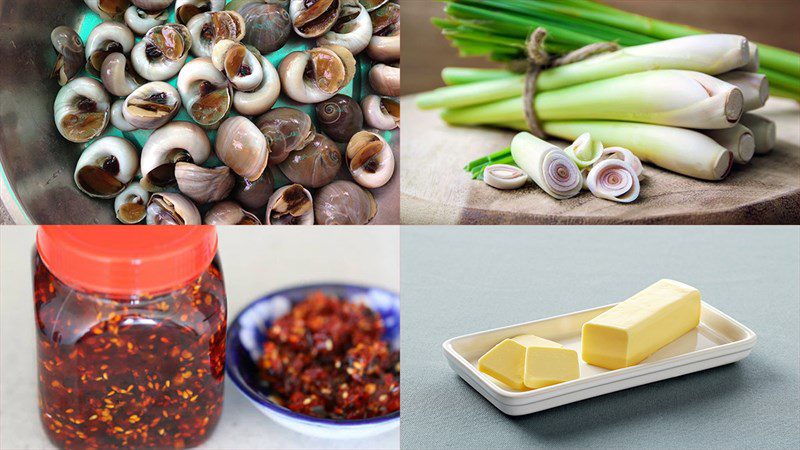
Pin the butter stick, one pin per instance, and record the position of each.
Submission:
(628, 333)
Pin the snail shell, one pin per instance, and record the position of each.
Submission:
(209, 28)
(242, 147)
(230, 213)
(254, 194)
(169, 208)
(340, 117)
(264, 97)
(382, 113)
(315, 75)
(186, 9)
(205, 92)
(81, 110)
(204, 185)
(174, 143)
(106, 38)
(118, 119)
(152, 5)
(131, 204)
(239, 64)
(152, 105)
(385, 80)
(314, 165)
(290, 205)
(372, 5)
(268, 24)
(344, 203)
(70, 60)
(313, 18)
(118, 76)
(385, 42)
(286, 130)
(141, 21)
(353, 31)
(108, 9)
(370, 160)
(106, 167)
(162, 52)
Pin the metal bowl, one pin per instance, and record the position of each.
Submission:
(37, 164)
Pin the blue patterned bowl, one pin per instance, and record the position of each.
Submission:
(247, 334)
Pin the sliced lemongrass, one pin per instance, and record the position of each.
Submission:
(763, 129)
(504, 176)
(754, 87)
(613, 179)
(664, 97)
(625, 155)
(739, 140)
(683, 151)
(547, 165)
(585, 151)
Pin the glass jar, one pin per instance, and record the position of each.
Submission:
(131, 335)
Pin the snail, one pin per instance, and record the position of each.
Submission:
(385, 80)
(370, 160)
(242, 67)
(131, 204)
(344, 203)
(382, 113)
(313, 18)
(173, 143)
(286, 130)
(315, 75)
(264, 96)
(384, 44)
(230, 213)
(108, 9)
(211, 27)
(118, 76)
(81, 110)
(242, 147)
(162, 52)
(268, 24)
(204, 185)
(141, 21)
(205, 92)
(106, 38)
(169, 208)
(340, 117)
(186, 9)
(70, 60)
(118, 118)
(254, 194)
(290, 205)
(152, 105)
(152, 5)
(106, 167)
(314, 165)
(372, 5)
(352, 31)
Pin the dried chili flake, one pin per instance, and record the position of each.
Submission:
(327, 359)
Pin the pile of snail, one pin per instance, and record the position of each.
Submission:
(217, 50)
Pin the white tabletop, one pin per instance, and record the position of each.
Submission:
(256, 260)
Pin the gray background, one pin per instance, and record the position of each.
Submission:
(255, 261)
(459, 280)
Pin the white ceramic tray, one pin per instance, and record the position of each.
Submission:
(717, 341)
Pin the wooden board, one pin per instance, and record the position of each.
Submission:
(436, 190)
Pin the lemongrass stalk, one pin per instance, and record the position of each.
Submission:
(763, 129)
(781, 80)
(585, 151)
(738, 139)
(755, 61)
(547, 165)
(683, 151)
(468, 94)
(465, 75)
(665, 97)
(613, 179)
(754, 87)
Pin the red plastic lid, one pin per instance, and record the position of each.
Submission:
(126, 260)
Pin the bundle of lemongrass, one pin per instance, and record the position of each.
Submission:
(678, 104)
(499, 29)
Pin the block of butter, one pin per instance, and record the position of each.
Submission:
(530, 362)
(636, 328)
